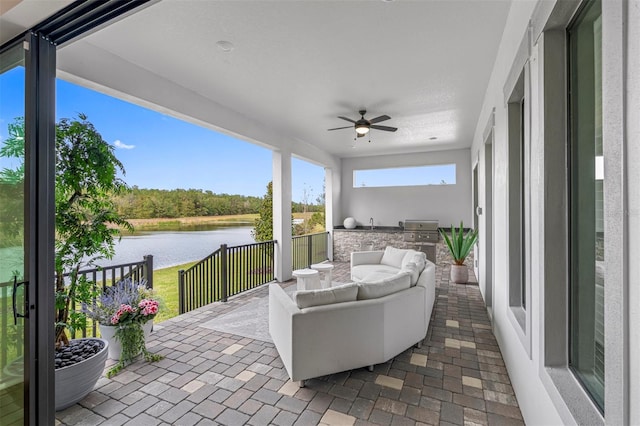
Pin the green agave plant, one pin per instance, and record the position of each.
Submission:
(459, 243)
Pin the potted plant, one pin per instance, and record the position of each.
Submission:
(459, 244)
(125, 313)
(87, 224)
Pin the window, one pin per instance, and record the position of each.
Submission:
(586, 195)
(518, 114)
(441, 174)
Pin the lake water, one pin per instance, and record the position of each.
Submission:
(170, 248)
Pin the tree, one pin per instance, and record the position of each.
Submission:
(320, 200)
(263, 225)
(86, 179)
(14, 148)
(12, 189)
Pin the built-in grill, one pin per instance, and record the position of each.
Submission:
(421, 231)
(424, 233)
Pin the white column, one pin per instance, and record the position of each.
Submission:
(331, 204)
(282, 214)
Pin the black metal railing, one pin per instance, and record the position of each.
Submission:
(226, 272)
(106, 276)
(309, 249)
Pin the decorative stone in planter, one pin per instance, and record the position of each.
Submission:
(108, 332)
(459, 274)
(79, 365)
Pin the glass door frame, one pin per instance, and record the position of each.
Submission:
(40, 43)
(40, 67)
(39, 224)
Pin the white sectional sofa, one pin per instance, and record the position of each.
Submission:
(320, 332)
(367, 265)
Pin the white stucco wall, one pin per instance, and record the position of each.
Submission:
(633, 193)
(536, 404)
(547, 391)
(448, 204)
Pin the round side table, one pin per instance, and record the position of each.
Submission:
(307, 279)
(325, 269)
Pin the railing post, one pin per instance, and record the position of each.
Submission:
(224, 270)
(309, 249)
(148, 259)
(181, 307)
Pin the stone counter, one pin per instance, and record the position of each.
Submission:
(346, 241)
(378, 229)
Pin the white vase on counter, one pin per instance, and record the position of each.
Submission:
(349, 223)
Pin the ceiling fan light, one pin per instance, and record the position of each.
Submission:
(362, 129)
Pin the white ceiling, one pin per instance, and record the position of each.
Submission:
(17, 16)
(297, 65)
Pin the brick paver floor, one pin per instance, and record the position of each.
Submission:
(207, 377)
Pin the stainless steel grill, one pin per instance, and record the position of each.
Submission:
(421, 231)
(424, 233)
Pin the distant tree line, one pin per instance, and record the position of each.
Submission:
(161, 203)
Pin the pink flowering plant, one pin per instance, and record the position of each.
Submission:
(143, 312)
(126, 305)
(125, 302)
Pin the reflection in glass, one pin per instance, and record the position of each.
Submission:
(586, 192)
(12, 235)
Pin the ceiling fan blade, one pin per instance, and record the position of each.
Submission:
(379, 119)
(348, 119)
(338, 128)
(385, 128)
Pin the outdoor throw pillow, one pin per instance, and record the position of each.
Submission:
(326, 296)
(375, 289)
(417, 257)
(412, 269)
(393, 257)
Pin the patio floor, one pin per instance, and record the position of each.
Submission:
(209, 377)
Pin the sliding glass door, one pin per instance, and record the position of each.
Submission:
(14, 249)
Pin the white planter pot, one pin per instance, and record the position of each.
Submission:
(108, 333)
(74, 382)
(459, 274)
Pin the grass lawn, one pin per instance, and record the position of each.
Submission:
(160, 224)
(165, 284)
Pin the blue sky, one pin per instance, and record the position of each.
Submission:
(159, 151)
(439, 174)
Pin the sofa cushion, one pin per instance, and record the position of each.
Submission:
(412, 269)
(370, 289)
(393, 257)
(326, 296)
(361, 271)
(417, 257)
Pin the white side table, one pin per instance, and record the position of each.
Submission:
(326, 270)
(308, 279)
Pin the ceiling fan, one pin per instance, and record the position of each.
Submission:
(363, 125)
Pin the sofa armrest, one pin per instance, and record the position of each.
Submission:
(366, 257)
(428, 281)
(281, 311)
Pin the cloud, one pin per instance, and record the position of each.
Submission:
(121, 145)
